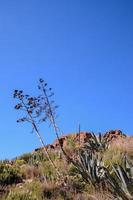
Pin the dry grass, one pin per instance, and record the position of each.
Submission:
(94, 196)
(30, 172)
(124, 145)
(118, 149)
(100, 196)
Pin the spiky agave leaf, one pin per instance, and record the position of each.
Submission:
(91, 167)
(122, 181)
(128, 166)
(97, 143)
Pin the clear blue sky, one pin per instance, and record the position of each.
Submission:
(83, 49)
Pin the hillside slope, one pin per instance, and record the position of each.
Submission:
(84, 166)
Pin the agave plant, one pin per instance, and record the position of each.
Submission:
(123, 176)
(91, 167)
(119, 181)
(128, 166)
(97, 143)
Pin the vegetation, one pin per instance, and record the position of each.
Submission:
(90, 178)
(99, 168)
(9, 174)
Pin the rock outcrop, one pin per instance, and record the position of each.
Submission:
(82, 138)
(113, 135)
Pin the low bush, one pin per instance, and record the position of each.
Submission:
(26, 157)
(30, 172)
(9, 174)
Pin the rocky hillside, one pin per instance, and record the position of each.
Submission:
(82, 138)
(81, 166)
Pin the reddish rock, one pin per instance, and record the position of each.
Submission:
(113, 135)
(81, 139)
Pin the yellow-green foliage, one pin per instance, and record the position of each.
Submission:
(20, 194)
(117, 150)
(48, 170)
(19, 162)
(9, 174)
(26, 157)
(35, 188)
(112, 156)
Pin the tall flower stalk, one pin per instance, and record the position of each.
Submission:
(49, 112)
(32, 107)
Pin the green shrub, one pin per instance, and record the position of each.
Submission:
(26, 157)
(9, 174)
(34, 158)
(35, 188)
(47, 170)
(19, 162)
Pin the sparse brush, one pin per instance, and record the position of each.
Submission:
(125, 145)
(117, 150)
(100, 196)
(30, 172)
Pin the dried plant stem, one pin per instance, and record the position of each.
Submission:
(53, 122)
(41, 139)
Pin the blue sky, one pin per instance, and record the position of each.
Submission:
(83, 49)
